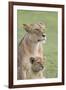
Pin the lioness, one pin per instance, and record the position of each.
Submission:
(30, 46)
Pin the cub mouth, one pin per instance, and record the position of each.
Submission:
(38, 69)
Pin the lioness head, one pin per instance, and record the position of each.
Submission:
(36, 31)
(37, 64)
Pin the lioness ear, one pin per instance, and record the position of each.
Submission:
(32, 59)
(27, 27)
(44, 25)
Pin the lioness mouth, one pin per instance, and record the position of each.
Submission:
(41, 40)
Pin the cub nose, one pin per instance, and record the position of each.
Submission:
(41, 68)
(43, 35)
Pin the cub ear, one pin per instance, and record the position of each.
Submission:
(27, 27)
(32, 60)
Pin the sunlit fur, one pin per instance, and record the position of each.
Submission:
(30, 46)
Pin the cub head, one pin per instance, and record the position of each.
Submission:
(36, 32)
(36, 64)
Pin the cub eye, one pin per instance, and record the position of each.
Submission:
(36, 29)
(32, 60)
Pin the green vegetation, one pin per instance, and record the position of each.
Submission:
(51, 46)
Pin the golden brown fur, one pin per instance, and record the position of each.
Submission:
(30, 46)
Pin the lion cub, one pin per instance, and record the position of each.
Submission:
(30, 46)
(37, 67)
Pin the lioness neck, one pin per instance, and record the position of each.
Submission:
(31, 46)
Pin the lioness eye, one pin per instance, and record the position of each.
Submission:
(43, 35)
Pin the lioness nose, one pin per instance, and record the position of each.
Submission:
(43, 35)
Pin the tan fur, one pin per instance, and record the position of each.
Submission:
(30, 46)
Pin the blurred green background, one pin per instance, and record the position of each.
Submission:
(51, 46)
